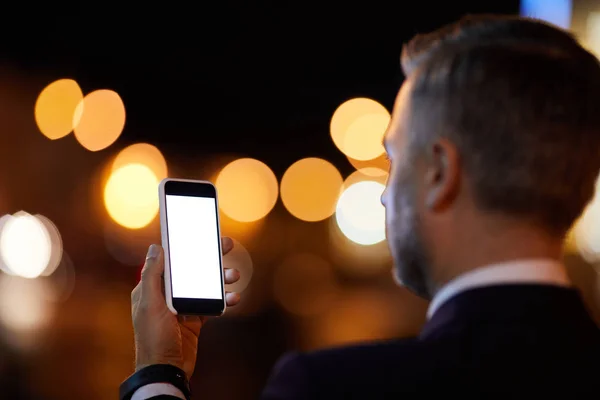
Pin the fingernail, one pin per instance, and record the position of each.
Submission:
(153, 251)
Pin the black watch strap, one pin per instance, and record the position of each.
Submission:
(158, 373)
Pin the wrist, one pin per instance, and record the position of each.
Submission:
(141, 363)
(157, 373)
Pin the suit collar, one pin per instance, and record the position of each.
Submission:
(505, 303)
(531, 271)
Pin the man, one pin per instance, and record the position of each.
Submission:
(494, 147)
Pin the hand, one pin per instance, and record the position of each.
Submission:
(162, 337)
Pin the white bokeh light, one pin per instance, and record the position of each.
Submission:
(25, 245)
(587, 233)
(5, 218)
(25, 311)
(23, 303)
(586, 230)
(360, 214)
(56, 245)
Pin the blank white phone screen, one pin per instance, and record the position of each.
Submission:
(193, 247)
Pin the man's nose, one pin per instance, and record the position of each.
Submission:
(383, 196)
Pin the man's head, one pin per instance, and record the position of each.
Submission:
(497, 125)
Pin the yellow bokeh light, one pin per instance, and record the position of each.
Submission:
(360, 214)
(102, 119)
(145, 154)
(584, 236)
(363, 139)
(310, 189)
(379, 166)
(131, 196)
(55, 108)
(593, 33)
(357, 128)
(247, 190)
(366, 174)
(569, 243)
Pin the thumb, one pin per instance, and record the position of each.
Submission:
(153, 270)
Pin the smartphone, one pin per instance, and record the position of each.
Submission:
(191, 239)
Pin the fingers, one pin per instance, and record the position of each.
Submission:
(226, 244)
(135, 298)
(153, 271)
(231, 276)
(232, 299)
(135, 294)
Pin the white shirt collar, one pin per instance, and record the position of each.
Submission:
(540, 271)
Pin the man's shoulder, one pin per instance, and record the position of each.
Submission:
(357, 355)
(347, 368)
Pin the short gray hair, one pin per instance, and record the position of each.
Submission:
(521, 101)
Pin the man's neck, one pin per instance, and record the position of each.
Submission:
(481, 249)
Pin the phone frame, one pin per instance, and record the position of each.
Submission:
(192, 188)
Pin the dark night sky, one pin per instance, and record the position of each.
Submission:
(259, 80)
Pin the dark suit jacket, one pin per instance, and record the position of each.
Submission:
(519, 341)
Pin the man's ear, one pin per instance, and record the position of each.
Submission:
(442, 175)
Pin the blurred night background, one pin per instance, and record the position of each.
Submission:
(283, 106)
